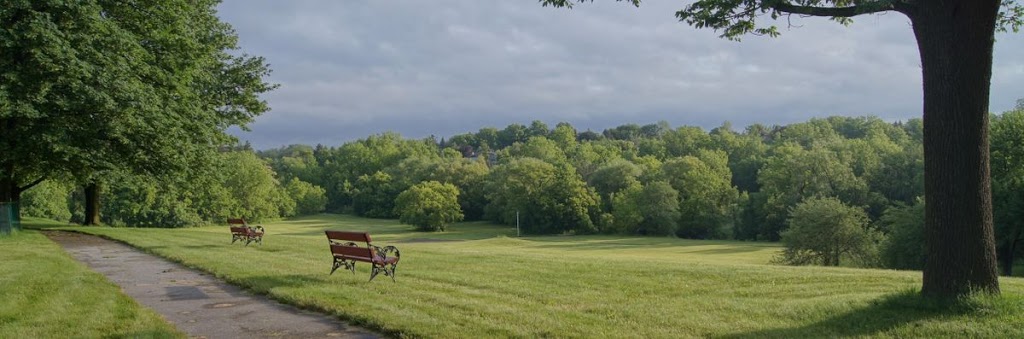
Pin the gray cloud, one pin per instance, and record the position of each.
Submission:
(354, 68)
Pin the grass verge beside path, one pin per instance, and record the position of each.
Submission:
(44, 293)
(477, 281)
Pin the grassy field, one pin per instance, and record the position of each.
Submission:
(44, 293)
(478, 280)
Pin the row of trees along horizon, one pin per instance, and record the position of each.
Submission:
(836, 191)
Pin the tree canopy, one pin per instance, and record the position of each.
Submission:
(91, 86)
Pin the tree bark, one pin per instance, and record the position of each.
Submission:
(955, 39)
(92, 204)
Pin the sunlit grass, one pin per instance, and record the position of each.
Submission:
(479, 280)
(44, 293)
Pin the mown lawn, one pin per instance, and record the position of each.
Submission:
(478, 280)
(44, 293)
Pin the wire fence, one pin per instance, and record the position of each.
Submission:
(9, 220)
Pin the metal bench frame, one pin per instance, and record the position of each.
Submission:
(346, 251)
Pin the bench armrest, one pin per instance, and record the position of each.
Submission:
(387, 252)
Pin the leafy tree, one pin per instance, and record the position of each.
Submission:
(309, 198)
(48, 200)
(564, 136)
(614, 177)
(824, 231)
(653, 131)
(540, 148)
(512, 134)
(1007, 149)
(623, 132)
(747, 155)
(470, 178)
(548, 198)
(145, 201)
(374, 195)
(793, 174)
(626, 216)
(538, 129)
(658, 204)
(429, 206)
(588, 135)
(903, 248)
(707, 197)
(685, 141)
(254, 192)
(955, 39)
(146, 87)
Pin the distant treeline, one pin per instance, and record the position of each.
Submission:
(632, 179)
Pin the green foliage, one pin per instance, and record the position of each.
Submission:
(548, 199)
(793, 174)
(626, 216)
(824, 231)
(48, 199)
(374, 196)
(903, 248)
(110, 85)
(254, 192)
(142, 201)
(430, 206)
(707, 198)
(658, 203)
(613, 178)
(309, 198)
(1007, 166)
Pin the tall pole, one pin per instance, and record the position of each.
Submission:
(517, 224)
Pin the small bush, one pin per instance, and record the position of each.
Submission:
(824, 231)
(429, 206)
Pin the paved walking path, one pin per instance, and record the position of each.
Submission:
(198, 304)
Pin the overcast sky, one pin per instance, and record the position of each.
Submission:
(349, 69)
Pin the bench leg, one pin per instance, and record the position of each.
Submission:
(388, 271)
(335, 266)
(373, 273)
(234, 237)
(342, 262)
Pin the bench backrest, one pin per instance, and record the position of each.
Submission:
(239, 221)
(337, 236)
(358, 253)
(339, 245)
(239, 230)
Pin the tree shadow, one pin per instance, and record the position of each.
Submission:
(881, 315)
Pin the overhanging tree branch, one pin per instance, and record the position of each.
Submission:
(841, 12)
(30, 185)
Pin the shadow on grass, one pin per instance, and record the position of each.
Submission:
(616, 243)
(884, 314)
(730, 250)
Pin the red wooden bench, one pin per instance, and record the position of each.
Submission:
(349, 247)
(240, 230)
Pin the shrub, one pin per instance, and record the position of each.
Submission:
(429, 206)
(824, 231)
(903, 249)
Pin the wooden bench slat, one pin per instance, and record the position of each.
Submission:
(348, 236)
(357, 253)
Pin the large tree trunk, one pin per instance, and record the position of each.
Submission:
(955, 39)
(92, 204)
